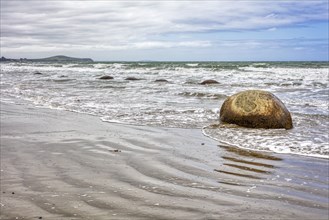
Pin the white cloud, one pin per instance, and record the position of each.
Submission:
(123, 25)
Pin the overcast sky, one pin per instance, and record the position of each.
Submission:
(166, 30)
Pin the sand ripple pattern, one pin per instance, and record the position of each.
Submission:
(80, 168)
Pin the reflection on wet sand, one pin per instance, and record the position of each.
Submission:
(274, 177)
(69, 166)
(250, 153)
(243, 163)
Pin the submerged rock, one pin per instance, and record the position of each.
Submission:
(106, 77)
(132, 78)
(255, 109)
(161, 80)
(209, 81)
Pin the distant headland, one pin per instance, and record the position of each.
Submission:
(59, 58)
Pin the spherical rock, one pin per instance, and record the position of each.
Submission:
(255, 109)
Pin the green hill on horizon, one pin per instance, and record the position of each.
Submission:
(62, 58)
(58, 58)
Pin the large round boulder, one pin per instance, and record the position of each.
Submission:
(255, 109)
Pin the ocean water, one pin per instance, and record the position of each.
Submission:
(182, 101)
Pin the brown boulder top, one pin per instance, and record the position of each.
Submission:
(255, 109)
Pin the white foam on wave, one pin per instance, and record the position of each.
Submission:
(183, 102)
(7, 100)
(270, 140)
(192, 64)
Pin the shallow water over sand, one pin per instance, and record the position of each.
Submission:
(62, 165)
(182, 101)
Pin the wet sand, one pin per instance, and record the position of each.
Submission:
(64, 165)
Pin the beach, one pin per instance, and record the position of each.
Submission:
(64, 165)
(164, 110)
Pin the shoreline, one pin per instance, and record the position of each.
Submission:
(65, 165)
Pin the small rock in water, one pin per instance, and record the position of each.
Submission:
(37, 73)
(106, 77)
(132, 78)
(161, 80)
(209, 81)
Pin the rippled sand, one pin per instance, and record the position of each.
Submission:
(62, 165)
